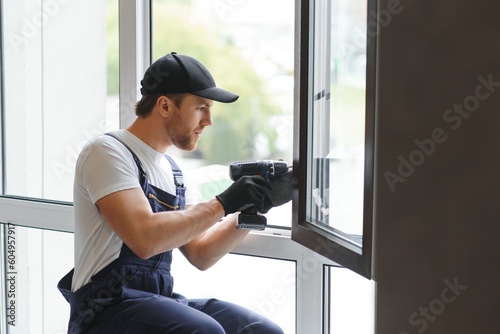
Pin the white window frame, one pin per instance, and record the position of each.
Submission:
(135, 57)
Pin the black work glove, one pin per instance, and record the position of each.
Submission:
(244, 193)
(280, 192)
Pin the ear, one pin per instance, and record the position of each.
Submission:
(163, 105)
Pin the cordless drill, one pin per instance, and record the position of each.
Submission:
(268, 169)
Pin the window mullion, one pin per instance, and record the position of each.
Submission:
(310, 293)
(135, 53)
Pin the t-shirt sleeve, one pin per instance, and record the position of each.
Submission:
(106, 167)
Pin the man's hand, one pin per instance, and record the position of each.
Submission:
(280, 192)
(247, 191)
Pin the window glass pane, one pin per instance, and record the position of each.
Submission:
(338, 117)
(34, 265)
(266, 286)
(352, 303)
(60, 67)
(223, 36)
(347, 123)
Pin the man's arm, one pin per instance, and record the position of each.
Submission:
(146, 233)
(205, 250)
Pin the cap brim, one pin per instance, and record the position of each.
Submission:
(217, 94)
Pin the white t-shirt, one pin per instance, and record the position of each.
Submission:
(106, 166)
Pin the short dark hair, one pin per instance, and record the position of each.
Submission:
(145, 105)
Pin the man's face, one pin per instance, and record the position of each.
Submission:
(188, 121)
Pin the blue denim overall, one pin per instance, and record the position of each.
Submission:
(132, 295)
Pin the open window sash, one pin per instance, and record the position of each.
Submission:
(334, 124)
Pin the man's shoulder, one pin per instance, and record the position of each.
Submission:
(100, 146)
(112, 139)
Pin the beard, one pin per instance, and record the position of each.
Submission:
(185, 143)
(181, 136)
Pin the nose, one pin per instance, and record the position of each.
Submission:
(207, 118)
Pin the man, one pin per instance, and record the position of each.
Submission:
(129, 198)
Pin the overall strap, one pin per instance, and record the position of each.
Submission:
(136, 158)
(178, 179)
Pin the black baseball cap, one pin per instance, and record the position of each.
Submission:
(176, 73)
